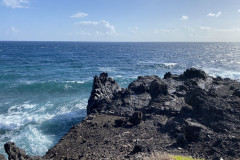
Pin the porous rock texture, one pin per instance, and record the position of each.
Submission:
(190, 114)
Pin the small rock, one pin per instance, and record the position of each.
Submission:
(232, 88)
(137, 149)
(168, 75)
(107, 124)
(180, 138)
(120, 122)
(136, 118)
(236, 93)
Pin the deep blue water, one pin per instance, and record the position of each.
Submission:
(44, 86)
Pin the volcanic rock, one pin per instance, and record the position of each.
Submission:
(136, 118)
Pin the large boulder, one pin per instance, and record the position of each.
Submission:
(194, 73)
(136, 118)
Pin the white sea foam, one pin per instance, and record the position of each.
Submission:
(170, 65)
(79, 82)
(223, 73)
(22, 123)
(157, 64)
(37, 142)
(20, 115)
(107, 69)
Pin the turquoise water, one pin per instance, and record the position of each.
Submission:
(44, 86)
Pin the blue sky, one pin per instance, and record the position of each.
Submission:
(120, 20)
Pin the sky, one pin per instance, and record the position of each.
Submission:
(120, 20)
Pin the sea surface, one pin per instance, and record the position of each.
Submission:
(45, 86)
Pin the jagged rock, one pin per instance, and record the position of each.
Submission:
(136, 118)
(158, 87)
(236, 93)
(167, 75)
(142, 84)
(15, 153)
(102, 92)
(194, 73)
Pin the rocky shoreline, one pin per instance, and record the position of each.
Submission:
(190, 114)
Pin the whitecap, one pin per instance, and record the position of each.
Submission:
(107, 69)
(223, 73)
(78, 82)
(169, 64)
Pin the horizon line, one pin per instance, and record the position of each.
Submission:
(121, 41)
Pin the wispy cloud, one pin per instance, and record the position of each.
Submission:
(133, 29)
(15, 3)
(214, 14)
(79, 15)
(184, 18)
(12, 31)
(238, 11)
(102, 27)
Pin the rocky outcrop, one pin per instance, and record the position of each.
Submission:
(15, 153)
(190, 114)
(102, 92)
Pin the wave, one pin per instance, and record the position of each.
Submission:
(157, 65)
(223, 73)
(107, 69)
(23, 114)
(46, 87)
(40, 126)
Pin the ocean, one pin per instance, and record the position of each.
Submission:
(45, 86)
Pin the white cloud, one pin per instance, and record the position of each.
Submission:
(15, 3)
(12, 31)
(133, 29)
(239, 10)
(79, 15)
(214, 14)
(97, 27)
(184, 18)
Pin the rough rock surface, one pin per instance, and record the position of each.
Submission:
(15, 153)
(189, 114)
